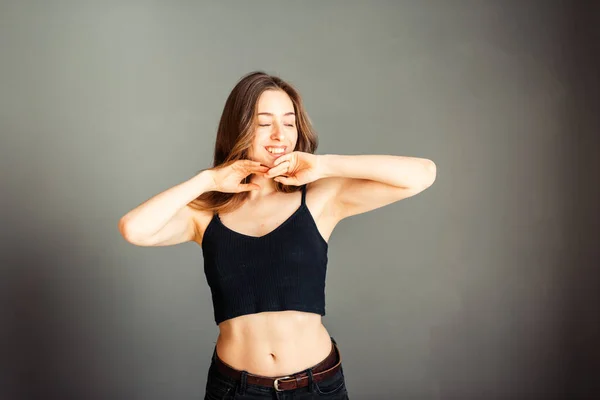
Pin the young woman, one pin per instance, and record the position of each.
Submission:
(263, 216)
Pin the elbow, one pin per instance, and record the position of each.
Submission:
(125, 229)
(430, 173)
(128, 232)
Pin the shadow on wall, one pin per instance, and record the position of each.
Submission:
(53, 327)
(555, 357)
(581, 331)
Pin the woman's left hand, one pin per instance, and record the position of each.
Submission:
(296, 168)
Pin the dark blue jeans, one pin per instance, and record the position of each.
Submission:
(220, 387)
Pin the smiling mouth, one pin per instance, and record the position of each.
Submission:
(275, 150)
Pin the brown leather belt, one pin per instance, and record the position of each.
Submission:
(323, 370)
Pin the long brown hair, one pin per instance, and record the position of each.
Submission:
(236, 133)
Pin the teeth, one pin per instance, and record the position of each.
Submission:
(275, 150)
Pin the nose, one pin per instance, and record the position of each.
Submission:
(277, 131)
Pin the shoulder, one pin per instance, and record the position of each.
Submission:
(201, 219)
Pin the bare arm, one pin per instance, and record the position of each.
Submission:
(365, 182)
(166, 218)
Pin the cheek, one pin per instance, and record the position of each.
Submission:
(261, 138)
(255, 148)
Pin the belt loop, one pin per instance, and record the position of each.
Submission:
(243, 383)
(310, 380)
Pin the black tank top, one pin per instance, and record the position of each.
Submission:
(282, 270)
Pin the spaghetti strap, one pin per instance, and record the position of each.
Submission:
(303, 194)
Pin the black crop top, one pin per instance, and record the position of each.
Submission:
(282, 270)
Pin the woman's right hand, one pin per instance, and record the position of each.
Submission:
(228, 178)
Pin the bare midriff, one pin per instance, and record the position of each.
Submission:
(273, 343)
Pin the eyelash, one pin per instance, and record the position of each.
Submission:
(290, 125)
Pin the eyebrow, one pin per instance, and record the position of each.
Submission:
(271, 114)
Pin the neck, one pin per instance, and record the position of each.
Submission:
(267, 187)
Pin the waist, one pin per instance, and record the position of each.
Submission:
(328, 369)
(273, 343)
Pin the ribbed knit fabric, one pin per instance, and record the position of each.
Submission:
(282, 270)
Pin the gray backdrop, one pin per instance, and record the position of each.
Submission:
(482, 287)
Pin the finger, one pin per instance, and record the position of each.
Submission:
(254, 169)
(243, 165)
(249, 163)
(286, 180)
(285, 157)
(260, 168)
(278, 170)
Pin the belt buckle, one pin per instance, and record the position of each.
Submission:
(276, 382)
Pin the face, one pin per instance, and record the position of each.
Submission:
(276, 133)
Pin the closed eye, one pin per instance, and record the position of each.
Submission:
(291, 125)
